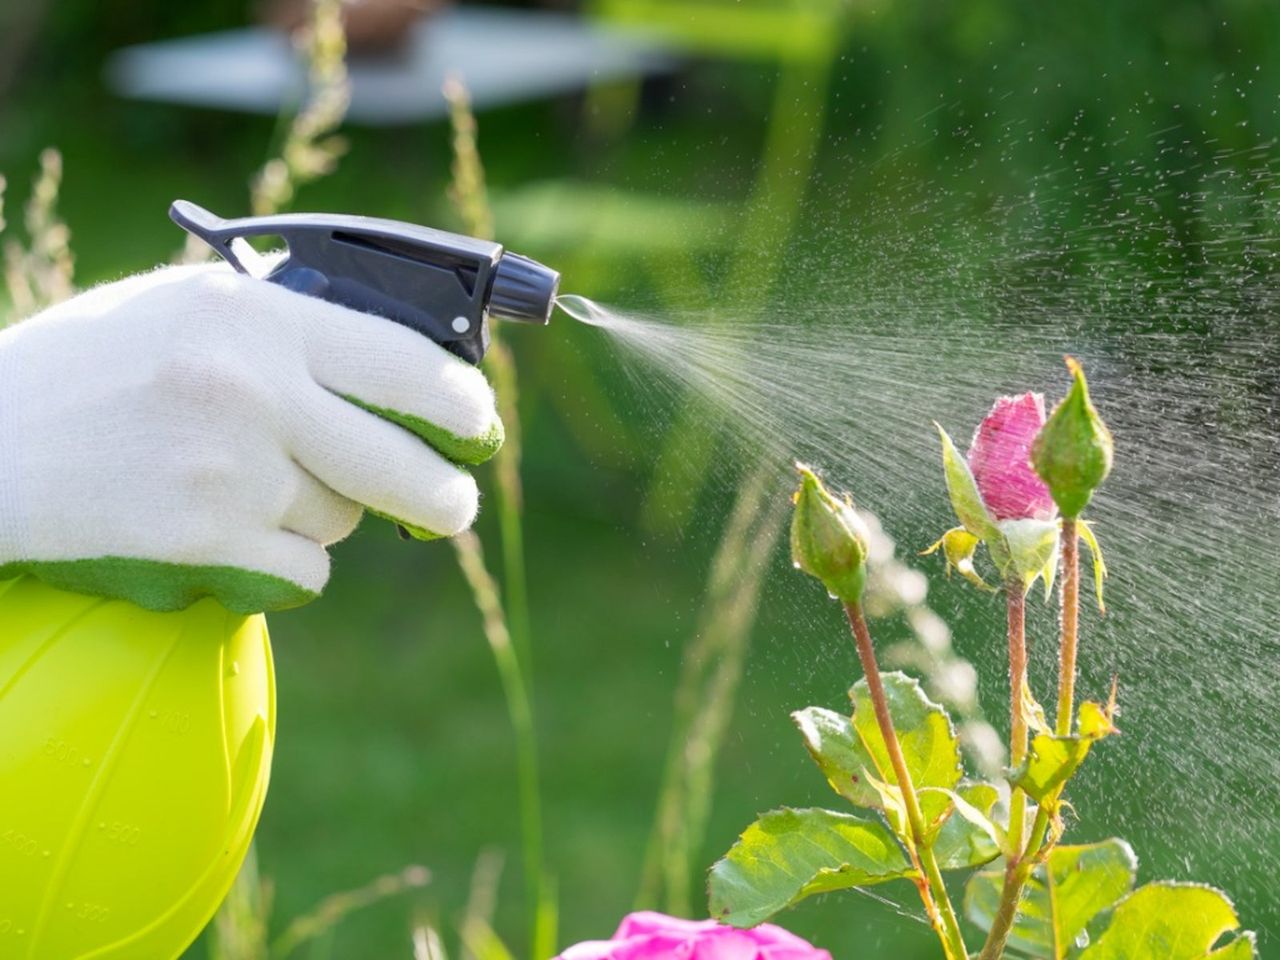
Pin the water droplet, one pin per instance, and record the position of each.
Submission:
(583, 310)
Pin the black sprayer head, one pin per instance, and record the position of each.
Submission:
(523, 290)
(443, 285)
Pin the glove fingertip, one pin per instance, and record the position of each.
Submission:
(473, 450)
(468, 451)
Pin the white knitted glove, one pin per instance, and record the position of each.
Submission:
(193, 432)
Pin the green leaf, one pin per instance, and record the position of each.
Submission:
(894, 808)
(967, 837)
(1099, 565)
(1061, 898)
(1243, 947)
(1051, 763)
(788, 855)
(929, 744)
(852, 755)
(963, 490)
(1032, 546)
(1053, 760)
(839, 754)
(968, 505)
(1172, 921)
(958, 546)
(1047, 575)
(1094, 720)
(1033, 712)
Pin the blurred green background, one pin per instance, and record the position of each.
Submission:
(394, 743)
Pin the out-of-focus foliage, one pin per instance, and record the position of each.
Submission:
(40, 272)
(393, 724)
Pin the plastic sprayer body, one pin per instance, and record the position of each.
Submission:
(135, 750)
(444, 285)
(135, 747)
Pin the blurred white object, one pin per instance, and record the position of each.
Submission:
(502, 55)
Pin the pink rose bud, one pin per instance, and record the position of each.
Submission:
(1000, 458)
(655, 936)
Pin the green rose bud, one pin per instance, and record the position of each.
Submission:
(828, 539)
(1072, 452)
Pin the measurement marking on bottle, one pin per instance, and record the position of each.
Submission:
(116, 831)
(60, 751)
(19, 842)
(175, 721)
(89, 912)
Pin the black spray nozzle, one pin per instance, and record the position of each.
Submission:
(443, 285)
(523, 290)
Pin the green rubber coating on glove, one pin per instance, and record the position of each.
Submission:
(418, 533)
(465, 450)
(161, 586)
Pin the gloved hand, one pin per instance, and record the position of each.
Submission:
(193, 432)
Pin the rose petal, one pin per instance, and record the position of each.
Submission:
(644, 922)
(1000, 458)
(647, 935)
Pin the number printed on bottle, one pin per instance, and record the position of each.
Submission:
(125, 834)
(89, 912)
(175, 721)
(16, 840)
(60, 751)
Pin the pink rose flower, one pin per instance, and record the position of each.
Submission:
(655, 936)
(1000, 458)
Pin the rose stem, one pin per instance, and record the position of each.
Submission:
(1016, 599)
(1017, 619)
(1017, 875)
(949, 933)
(1070, 626)
(1069, 641)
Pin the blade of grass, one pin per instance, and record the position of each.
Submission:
(332, 910)
(485, 590)
(471, 199)
(427, 944)
(41, 273)
(487, 945)
(482, 898)
(240, 928)
(311, 148)
(507, 624)
(710, 673)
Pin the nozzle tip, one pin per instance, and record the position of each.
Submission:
(523, 290)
